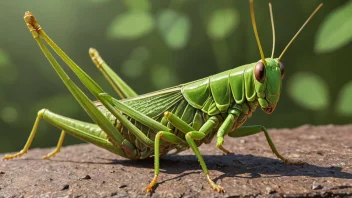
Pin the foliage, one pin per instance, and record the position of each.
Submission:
(158, 44)
(309, 91)
(222, 23)
(174, 28)
(344, 106)
(336, 30)
(131, 25)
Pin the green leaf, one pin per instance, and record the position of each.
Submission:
(131, 25)
(9, 114)
(4, 58)
(222, 23)
(140, 53)
(163, 77)
(132, 68)
(336, 30)
(174, 28)
(309, 91)
(344, 100)
(137, 4)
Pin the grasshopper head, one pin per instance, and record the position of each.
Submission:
(269, 72)
(268, 83)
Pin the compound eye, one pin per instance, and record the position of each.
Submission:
(259, 72)
(282, 69)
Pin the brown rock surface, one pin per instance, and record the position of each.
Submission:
(88, 171)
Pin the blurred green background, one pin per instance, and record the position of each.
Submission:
(158, 44)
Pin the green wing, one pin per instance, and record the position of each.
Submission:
(155, 103)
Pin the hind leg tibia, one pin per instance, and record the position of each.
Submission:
(85, 131)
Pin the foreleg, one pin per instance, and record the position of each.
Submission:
(251, 130)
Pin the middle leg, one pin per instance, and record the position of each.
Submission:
(168, 137)
(191, 135)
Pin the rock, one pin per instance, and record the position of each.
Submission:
(252, 171)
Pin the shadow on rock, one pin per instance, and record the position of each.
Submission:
(231, 166)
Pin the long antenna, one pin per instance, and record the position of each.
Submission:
(305, 23)
(256, 31)
(273, 29)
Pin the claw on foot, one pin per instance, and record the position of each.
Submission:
(218, 189)
(152, 184)
(215, 187)
(148, 189)
(19, 154)
(226, 152)
(52, 154)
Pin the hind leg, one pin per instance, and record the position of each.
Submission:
(97, 116)
(58, 147)
(121, 88)
(85, 131)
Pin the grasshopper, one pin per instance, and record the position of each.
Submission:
(187, 115)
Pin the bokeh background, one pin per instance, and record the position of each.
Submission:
(157, 44)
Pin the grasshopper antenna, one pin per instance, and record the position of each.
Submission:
(251, 4)
(273, 28)
(299, 31)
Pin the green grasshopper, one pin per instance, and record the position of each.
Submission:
(187, 115)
